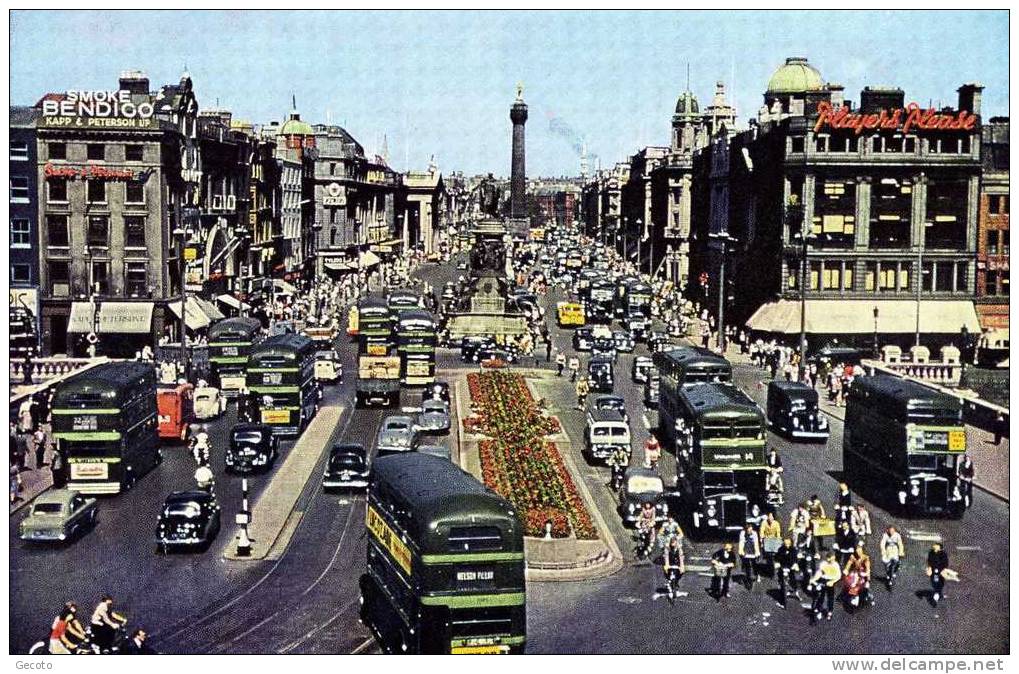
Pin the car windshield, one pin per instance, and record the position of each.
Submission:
(645, 484)
(434, 406)
(346, 460)
(48, 509)
(204, 397)
(248, 437)
(396, 426)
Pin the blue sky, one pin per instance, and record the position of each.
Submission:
(442, 82)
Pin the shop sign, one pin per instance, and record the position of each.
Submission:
(909, 119)
(98, 109)
(26, 298)
(335, 195)
(95, 172)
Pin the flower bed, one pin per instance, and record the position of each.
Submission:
(517, 460)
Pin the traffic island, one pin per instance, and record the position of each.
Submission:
(509, 442)
(275, 517)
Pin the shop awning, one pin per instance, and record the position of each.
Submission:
(855, 317)
(233, 302)
(340, 267)
(195, 318)
(210, 309)
(283, 288)
(368, 259)
(115, 318)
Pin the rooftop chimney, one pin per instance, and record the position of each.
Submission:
(135, 81)
(969, 97)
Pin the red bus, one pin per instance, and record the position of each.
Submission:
(174, 404)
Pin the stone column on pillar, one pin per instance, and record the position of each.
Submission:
(518, 173)
(863, 194)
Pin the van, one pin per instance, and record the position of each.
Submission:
(569, 314)
(606, 430)
(328, 367)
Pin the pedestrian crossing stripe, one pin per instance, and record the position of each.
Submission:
(924, 536)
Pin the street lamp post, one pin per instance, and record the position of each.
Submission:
(724, 239)
(181, 235)
(640, 236)
(919, 285)
(877, 353)
(794, 216)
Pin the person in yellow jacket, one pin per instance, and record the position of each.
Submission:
(771, 538)
(827, 579)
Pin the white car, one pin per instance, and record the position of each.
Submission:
(209, 403)
(328, 367)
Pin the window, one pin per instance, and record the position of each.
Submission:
(991, 282)
(834, 222)
(133, 152)
(96, 151)
(909, 146)
(136, 275)
(56, 230)
(57, 150)
(797, 144)
(821, 142)
(98, 230)
(991, 245)
(135, 192)
(21, 233)
(332, 215)
(60, 278)
(134, 231)
(1003, 284)
(891, 204)
(961, 272)
(332, 168)
(831, 278)
(101, 276)
(928, 276)
(815, 273)
(96, 192)
(21, 273)
(946, 214)
(943, 277)
(19, 189)
(19, 151)
(57, 189)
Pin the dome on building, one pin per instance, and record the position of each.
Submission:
(795, 76)
(687, 104)
(295, 127)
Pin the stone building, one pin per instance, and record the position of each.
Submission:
(992, 239)
(24, 232)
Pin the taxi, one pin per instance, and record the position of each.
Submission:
(569, 314)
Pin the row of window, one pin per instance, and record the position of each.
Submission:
(93, 151)
(997, 204)
(97, 232)
(996, 282)
(881, 144)
(96, 190)
(996, 242)
(136, 277)
(883, 276)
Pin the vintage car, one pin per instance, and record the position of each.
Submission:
(624, 341)
(637, 323)
(398, 434)
(471, 345)
(494, 352)
(252, 447)
(656, 341)
(438, 390)
(608, 402)
(435, 450)
(833, 354)
(640, 486)
(582, 339)
(433, 417)
(793, 412)
(603, 345)
(58, 515)
(209, 402)
(642, 365)
(569, 314)
(606, 431)
(347, 467)
(600, 375)
(328, 367)
(188, 519)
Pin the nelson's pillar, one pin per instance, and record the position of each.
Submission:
(518, 176)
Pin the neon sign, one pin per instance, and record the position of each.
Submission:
(899, 119)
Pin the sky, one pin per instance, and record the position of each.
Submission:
(440, 83)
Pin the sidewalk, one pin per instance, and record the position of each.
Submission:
(34, 482)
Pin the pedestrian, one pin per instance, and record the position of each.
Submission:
(859, 520)
(674, 564)
(937, 564)
(39, 440)
(26, 367)
(1000, 427)
(560, 362)
(893, 550)
(859, 565)
(771, 538)
(843, 502)
(845, 542)
(57, 469)
(825, 579)
(967, 471)
(25, 415)
(582, 389)
(574, 368)
(15, 475)
(19, 450)
(722, 563)
(749, 553)
(785, 565)
(548, 349)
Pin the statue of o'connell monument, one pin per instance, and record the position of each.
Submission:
(488, 197)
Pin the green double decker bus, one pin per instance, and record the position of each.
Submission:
(416, 339)
(445, 568)
(105, 426)
(230, 342)
(281, 376)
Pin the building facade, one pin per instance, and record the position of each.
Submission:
(992, 240)
(881, 197)
(24, 231)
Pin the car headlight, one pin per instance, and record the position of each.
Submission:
(665, 508)
(915, 490)
(631, 507)
(711, 511)
(796, 422)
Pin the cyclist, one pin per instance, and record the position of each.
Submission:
(67, 633)
(674, 565)
(669, 530)
(646, 529)
(105, 623)
(618, 461)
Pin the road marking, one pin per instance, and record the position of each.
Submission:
(924, 536)
(344, 501)
(970, 548)
(367, 642)
(628, 600)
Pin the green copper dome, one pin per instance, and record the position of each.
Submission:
(796, 76)
(295, 127)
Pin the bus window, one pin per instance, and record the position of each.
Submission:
(716, 433)
(752, 432)
(473, 539)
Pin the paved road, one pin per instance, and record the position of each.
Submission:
(306, 601)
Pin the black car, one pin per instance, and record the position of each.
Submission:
(793, 411)
(583, 339)
(640, 486)
(656, 341)
(252, 448)
(604, 346)
(637, 323)
(651, 390)
(599, 375)
(438, 390)
(347, 467)
(624, 341)
(471, 345)
(833, 354)
(642, 365)
(188, 519)
(496, 352)
(610, 402)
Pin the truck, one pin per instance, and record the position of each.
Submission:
(378, 380)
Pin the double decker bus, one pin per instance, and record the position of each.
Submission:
(633, 296)
(445, 569)
(375, 325)
(719, 436)
(230, 342)
(401, 300)
(378, 364)
(902, 440)
(416, 339)
(105, 426)
(281, 374)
